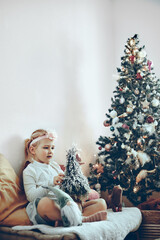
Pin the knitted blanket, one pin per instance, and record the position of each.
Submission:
(116, 227)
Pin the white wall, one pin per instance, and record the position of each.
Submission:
(53, 69)
(57, 58)
(141, 17)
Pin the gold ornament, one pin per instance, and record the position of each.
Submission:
(128, 80)
(126, 71)
(129, 109)
(135, 51)
(136, 91)
(132, 42)
(145, 104)
(143, 174)
(145, 68)
(123, 115)
(108, 147)
(136, 189)
(139, 141)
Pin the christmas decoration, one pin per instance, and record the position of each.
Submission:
(145, 104)
(98, 188)
(106, 123)
(113, 114)
(70, 212)
(112, 128)
(108, 147)
(143, 174)
(143, 157)
(138, 76)
(136, 91)
(129, 109)
(149, 63)
(125, 126)
(96, 169)
(150, 128)
(114, 199)
(155, 102)
(132, 149)
(79, 159)
(75, 183)
(122, 100)
(140, 141)
(132, 58)
(150, 119)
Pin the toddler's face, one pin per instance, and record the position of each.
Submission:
(44, 151)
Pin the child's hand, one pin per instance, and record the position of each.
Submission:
(58, 179)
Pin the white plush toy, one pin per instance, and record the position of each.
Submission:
(70, 212)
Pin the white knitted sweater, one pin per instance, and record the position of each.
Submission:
(36, 175)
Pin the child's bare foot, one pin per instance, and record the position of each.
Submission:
(99, 216)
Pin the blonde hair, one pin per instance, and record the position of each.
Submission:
(34, 135)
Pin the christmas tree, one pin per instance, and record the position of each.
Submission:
(131, 151)
(75, 183)
(96, 169)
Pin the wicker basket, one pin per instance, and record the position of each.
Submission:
(150, 227)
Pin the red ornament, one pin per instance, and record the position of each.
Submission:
(150, 119)
(114, 174)
(79, 160)
(121, 89)
(131, 58)
(125, 126)
(62, 167)
(100, 148)
(138, 76)
(149, 63)
(106, 123)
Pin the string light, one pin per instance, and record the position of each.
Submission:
(135, 189)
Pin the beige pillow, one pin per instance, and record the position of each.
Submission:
(12, 198)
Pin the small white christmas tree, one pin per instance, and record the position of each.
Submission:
(74, 183)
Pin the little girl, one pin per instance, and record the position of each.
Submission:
(43, 206)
